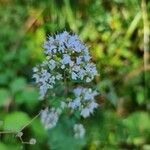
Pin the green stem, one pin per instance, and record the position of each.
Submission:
(146, 43)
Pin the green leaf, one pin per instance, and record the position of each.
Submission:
(18, 84)
(15, 121)
(9, 146)
(137, 124)
(4, 97)
(61, 137)
(39, 132)
(3, 146)
(29, 97)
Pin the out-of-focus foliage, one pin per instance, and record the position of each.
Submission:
(114, 31)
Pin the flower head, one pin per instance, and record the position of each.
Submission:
(84, 101)
(49, 118)
(65, 54)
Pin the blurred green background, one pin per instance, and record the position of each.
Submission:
(114, 30)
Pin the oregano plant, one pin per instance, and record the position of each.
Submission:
(64, 80)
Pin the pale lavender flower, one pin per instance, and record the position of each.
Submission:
(85, 112)
(77, 91)
(66, 59)
(74, 76)
(79, 131)
(75, 103)
(84, 101)
(49, 118)
(78, 60)
(92, 106)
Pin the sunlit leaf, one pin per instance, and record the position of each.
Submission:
(15, 121)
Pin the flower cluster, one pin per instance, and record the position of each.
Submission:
(49, 118)
(84, 101)
(66, 59)
(66, 56)
(44, 78)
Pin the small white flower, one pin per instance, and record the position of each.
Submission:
(78, 60)
(84, 101)
(74, 76)
(79, 131)
(63, 66)
(88, 79)
(35, 69)
(61, 38)
(52, 64)
(88, 94)
(75, 103)
(66, 59)
(92, 106)
(76, 68)
(85, 112)
(36, 77)
(71, 63)
(63, 105)
(77, 91)
(81, 73)
(87, 57)
(43, 90)
(59, 76)
(49, 118)
(61, 49)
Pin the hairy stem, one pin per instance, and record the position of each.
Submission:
(15, 132)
